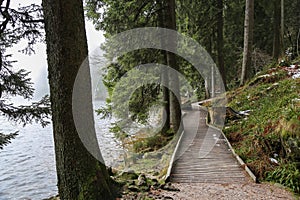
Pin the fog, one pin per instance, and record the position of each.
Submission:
(37, 63)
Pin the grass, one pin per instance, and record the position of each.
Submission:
(272, 130)
(287, 175)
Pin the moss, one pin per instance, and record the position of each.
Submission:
(131, 175)
(90, 188)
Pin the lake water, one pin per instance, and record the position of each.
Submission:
(27, 165)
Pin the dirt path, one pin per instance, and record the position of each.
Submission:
(209, 191)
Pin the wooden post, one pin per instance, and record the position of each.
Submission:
(212, 82)
(207, 95)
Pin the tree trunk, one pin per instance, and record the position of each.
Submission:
(165, 76)
(282, 25)
(248, 41)
(220, 40)
(171, 61)
(166, 100)
(80, 175)
(276, 30)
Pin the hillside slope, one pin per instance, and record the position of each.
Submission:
(268, 140)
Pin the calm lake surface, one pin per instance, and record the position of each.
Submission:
(27, 165)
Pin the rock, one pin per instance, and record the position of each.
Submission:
(130, 182)
(158, 196)
(53, 198)
(155, 182)
(169, 187)
(142, 181)
(131, 171)
(133, 188)
(144, 188)
(162, 186)
(159, 155)
(156, 173)
(146, 156)
(152, 155)
(128, 175)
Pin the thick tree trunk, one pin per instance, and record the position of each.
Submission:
(248, 41)
(175, 108)
(80, 175)
(220, 40)
(276, 29)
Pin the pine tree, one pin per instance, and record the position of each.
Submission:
(17, 24)
(80, 175)
(248, 41)
(125, 15)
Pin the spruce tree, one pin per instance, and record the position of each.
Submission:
(17, 24)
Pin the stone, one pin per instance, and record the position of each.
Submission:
(133, 188)
(145, 188)
(53, 198)
(146, 156)
(170, 187)
(155, 182)
(128, 175)
(130, 182)
(142, 181)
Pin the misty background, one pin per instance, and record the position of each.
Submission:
(37, 63)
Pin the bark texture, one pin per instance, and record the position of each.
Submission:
(248, 41)
(165, 75)
(175, 108)
(220, 40)
(276, 29)
(80, 175)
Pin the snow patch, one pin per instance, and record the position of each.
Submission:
(293, 71)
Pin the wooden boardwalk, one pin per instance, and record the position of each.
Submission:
(203, 155)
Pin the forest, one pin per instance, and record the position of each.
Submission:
(170, 69)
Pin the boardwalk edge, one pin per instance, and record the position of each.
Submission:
(241, 162)
(167, 177)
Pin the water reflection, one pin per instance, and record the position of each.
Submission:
(27, 165)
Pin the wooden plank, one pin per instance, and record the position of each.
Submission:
(219, 165)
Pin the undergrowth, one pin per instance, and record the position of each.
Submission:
(287, 175)
(268, 139)
(152, 143)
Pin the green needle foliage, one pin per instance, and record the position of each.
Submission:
(17, 24)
